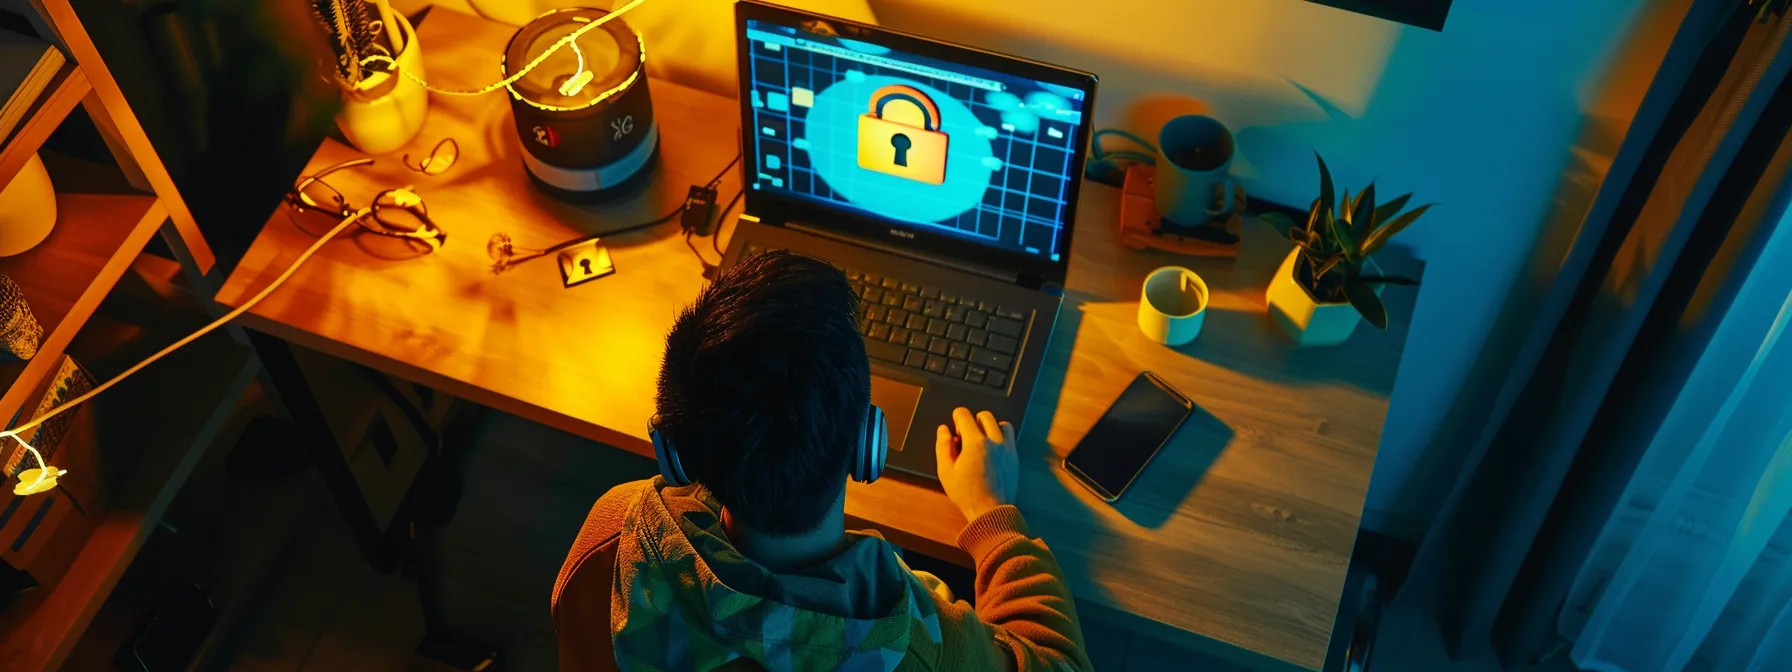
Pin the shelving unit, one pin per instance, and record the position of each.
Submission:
(170, 414)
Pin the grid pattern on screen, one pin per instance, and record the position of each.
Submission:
(1022, 209)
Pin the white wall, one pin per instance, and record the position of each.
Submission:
(1480, 118)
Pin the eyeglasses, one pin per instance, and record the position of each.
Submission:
(396, 213)
(440, 159)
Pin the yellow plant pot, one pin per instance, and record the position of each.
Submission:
(1309, 322)
(27, 209)
(380, 115)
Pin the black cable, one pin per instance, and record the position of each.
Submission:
(715, 238)
(707, 267)
(718, 178)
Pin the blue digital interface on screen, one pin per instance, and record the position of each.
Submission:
(993, 168)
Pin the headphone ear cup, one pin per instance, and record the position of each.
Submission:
(666, 455)
(874, 446)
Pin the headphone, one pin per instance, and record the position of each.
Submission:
(867, 458)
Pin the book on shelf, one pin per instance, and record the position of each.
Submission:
(27, 66)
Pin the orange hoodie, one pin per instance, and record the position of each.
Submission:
(689, 600)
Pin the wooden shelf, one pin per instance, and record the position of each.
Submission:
(52, 106)
(66, 276)
(174, 411)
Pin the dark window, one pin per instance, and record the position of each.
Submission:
(1421, 13)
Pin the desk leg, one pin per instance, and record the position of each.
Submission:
(430, 506)
(311, 428)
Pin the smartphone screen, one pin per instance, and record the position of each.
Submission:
(1123, 441)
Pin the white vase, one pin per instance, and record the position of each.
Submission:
(380, 115)
(27, 208)
(1309, 322)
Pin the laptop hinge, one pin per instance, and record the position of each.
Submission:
(907, 254)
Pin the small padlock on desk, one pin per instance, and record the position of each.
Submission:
(900, 135)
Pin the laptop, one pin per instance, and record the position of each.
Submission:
(942, 179)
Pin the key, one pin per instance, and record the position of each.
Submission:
(939, 346)
(934, 308)
(891, 299)
(899, 336)
(879, 332)
(977, 337)
(871, 294)
(975, 374)
(915, 358)
(916, 321)
(936, 327)
(888, 283)
(986, 306)
(929, 293)
(975, 319)
(911, 304)
(991, 359)
(1002, 344)
(948, 297)
(956, 369)
(911, 288)
(996, 379)
(918, 340)
(955, 313)
(896, 316)
(1010, 314)
(874, 312)
(884, 350)
(956, 332)
(1004, 326)
(864, 324)
(936, 364)
(959, 351)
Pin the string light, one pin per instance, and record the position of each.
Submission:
(512, 79)
(46, 475)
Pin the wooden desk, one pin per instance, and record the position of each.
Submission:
(1240, 532)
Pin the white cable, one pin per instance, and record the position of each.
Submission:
(221, 321)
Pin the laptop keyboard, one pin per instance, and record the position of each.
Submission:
(936, 331)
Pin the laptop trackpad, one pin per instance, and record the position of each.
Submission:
(898, 401)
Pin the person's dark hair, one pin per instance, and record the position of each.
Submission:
(764, 386)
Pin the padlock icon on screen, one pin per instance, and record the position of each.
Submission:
(900, 135)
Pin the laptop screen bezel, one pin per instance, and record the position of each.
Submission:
(777, 209)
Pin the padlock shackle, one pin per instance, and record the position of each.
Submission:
(929, 111)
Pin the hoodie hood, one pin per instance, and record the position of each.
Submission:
(685, 599)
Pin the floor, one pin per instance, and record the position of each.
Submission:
(528, 489)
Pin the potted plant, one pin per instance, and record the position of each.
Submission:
(1328, 283)
(381, 109)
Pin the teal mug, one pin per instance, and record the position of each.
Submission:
(1194, 160)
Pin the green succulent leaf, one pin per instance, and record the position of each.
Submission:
(1326, 266)
(1362, 213)
(1380, 237)
(1367, 303)
(1326, 195)
(1387, 210)
(1340, 230)
(1314, 212)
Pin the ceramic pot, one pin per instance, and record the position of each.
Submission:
(380, 115)
(27, 209)
(1309, 322)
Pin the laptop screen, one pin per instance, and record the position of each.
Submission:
(921, 143)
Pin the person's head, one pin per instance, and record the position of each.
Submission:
(763, 389)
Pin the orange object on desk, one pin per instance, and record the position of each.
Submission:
(1141, 226)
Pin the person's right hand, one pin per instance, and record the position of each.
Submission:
(979, 467)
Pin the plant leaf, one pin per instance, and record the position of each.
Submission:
(1362, 217)
(1326, 267)
(1281, 222)
(1387, 210)
(1313, 214)
(1367, 304)
(1380, 237)
(1387, 280)
(1325, 183)
(1340, 230)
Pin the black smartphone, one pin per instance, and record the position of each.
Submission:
(1127, 436)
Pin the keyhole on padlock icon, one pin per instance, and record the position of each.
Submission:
(901, 143)
(585, 264)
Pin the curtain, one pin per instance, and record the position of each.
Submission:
(1617, 370)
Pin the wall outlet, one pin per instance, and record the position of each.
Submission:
(585, 262)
